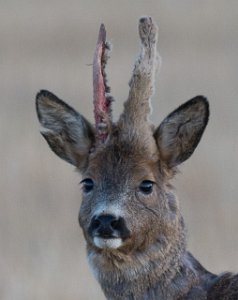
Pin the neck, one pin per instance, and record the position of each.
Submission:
(164, 271)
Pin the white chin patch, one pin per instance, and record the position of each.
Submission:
(112, 243)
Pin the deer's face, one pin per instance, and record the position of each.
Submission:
(122, 197)
(127, 200)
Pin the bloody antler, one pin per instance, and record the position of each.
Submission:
(102, 100)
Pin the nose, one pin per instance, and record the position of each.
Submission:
(108, 226)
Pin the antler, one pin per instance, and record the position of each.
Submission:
(137, 107)
(102, 99)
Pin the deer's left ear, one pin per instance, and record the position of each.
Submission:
(179, 134)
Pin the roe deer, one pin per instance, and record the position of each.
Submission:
(135, 234)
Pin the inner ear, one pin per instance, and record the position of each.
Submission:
(179, 134)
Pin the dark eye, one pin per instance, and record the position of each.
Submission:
(146, 187)
(87, 185)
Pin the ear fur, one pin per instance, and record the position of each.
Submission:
(67, 132)
(179, 133)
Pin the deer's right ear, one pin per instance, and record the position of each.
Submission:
(68, 133)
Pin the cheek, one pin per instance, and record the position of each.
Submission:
(143, 233)
(145, 218)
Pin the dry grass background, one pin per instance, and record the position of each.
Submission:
(49, 44)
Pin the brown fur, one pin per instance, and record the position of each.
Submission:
(148, 260)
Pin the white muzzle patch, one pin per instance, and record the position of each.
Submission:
(111, 243)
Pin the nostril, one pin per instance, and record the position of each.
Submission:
(115, 224)
(119, 225)
(96, 224)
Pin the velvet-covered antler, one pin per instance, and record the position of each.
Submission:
(137, 108)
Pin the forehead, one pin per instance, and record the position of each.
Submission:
(122, 160)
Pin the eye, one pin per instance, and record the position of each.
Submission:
(88, 185)
(146, 187)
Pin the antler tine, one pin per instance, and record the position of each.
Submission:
(137, 107)
(102, 99)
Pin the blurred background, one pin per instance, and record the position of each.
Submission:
(50, 44)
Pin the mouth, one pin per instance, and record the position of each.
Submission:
(107, 243)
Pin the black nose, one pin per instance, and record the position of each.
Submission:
(108, 226)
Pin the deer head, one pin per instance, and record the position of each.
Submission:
(128, 203)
